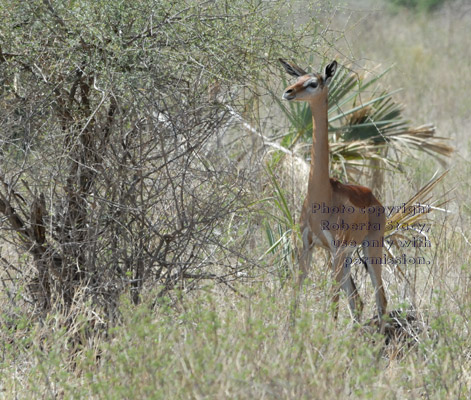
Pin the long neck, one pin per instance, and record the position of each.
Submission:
(319, 185)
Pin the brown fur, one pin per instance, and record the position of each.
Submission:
(359, 196)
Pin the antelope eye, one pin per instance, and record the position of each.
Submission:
(313, 84)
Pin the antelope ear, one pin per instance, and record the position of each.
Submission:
(330, 72)
(292, 69)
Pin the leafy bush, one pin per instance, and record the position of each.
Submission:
(419, 5)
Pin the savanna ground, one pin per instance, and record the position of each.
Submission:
(243, 340)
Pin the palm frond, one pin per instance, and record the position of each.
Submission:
(413, 211)
(363, 119)
(411, 214)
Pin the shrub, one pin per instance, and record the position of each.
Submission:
(112, 177)
(419, 5)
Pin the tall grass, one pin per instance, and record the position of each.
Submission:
(215, 346)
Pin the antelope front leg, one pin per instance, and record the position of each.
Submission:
(304, 264)
(373, 262)
(342, 274)
(337, 274)
(305, 258)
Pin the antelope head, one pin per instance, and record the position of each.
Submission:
(308, 86)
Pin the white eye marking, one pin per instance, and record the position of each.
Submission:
(311, 83)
